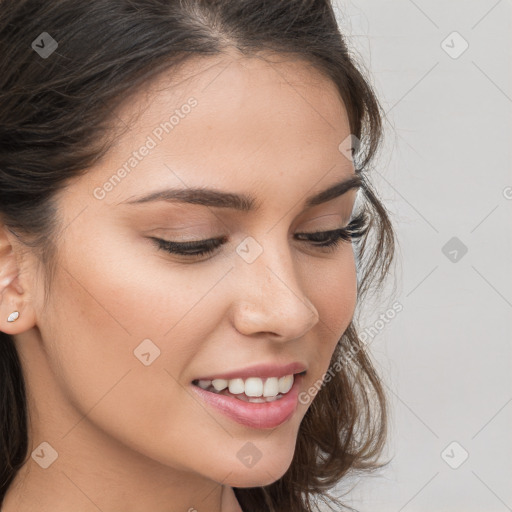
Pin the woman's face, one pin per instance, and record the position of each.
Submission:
(129, 326)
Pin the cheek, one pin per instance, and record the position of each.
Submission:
(334, 293)
(98, 319)
(104, 307)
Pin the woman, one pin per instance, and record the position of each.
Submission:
(178, 185)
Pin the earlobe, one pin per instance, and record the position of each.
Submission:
(16, 314)
(13, 316)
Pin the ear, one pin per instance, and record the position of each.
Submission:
(14, 294)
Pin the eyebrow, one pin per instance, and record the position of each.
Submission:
(241, 202)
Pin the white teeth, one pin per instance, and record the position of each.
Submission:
(252, 386)
(285, 383)
(271, 387)
(219, 384)
(236, 386)
(205, 384)
(258, 400)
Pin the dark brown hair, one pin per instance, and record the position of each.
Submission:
(56, 118)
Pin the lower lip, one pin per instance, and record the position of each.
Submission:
(254, 415)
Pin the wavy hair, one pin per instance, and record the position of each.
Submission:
(56, 118)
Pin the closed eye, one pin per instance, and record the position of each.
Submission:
(325, 240)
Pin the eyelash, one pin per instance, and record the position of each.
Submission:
(355, 230)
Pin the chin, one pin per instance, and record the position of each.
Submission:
(260, 475)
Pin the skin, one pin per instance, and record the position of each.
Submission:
(135, 437)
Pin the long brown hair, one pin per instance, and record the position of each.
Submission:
(56, 116)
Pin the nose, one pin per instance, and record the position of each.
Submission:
(272, 299)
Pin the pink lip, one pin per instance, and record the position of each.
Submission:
(259, 370)
(263, 415)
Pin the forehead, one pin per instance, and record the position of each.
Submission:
(232, 120)
(236, 79)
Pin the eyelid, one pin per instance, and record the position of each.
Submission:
(181, 234)
(356, 228)
(198, 239)
(339, 222)
(176, 235)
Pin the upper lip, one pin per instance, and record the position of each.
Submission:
(259, 370)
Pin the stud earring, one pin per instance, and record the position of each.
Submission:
(13, 316)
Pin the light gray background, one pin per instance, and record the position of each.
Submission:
(443, 173)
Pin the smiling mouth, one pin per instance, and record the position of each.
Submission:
(252, 389)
